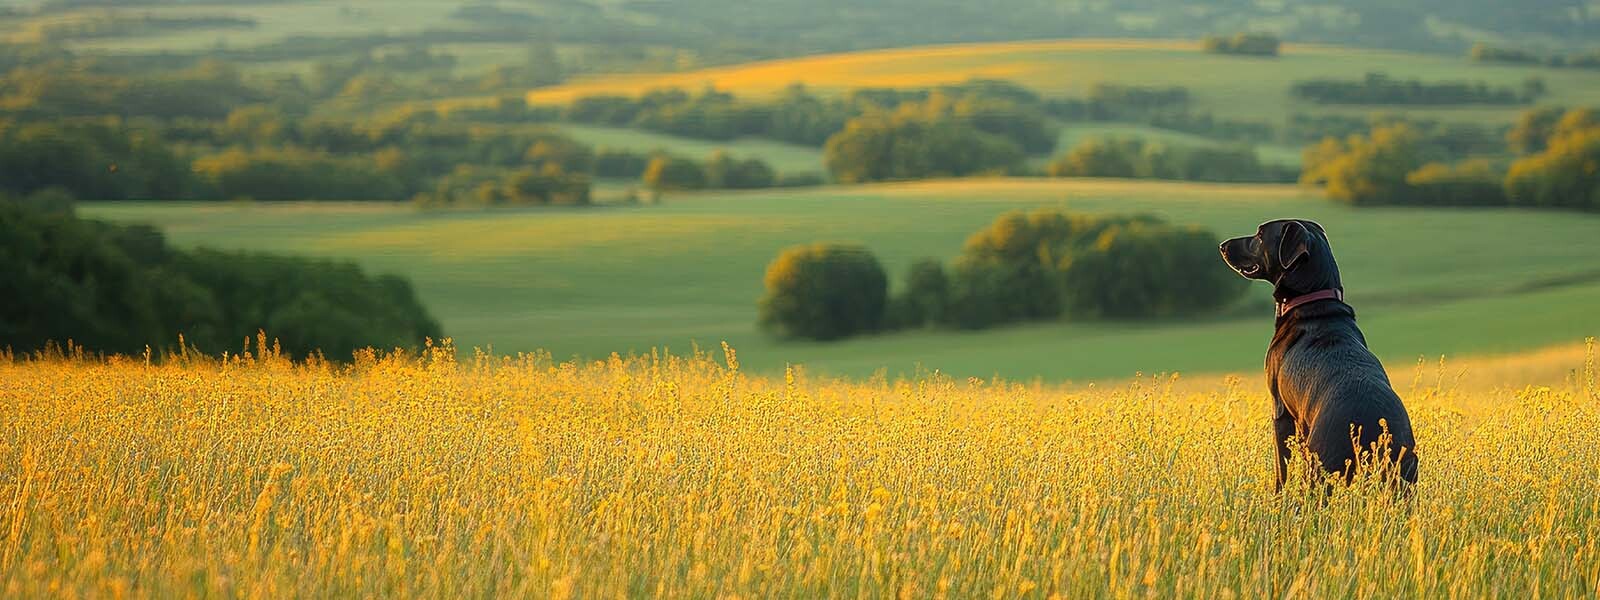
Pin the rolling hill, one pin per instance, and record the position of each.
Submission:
(589, 282)
(1229, 86)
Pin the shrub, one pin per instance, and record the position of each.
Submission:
(923, 297)
(1566, 175)
(824, 292)
(1147, 269)
(1471, 183)
(1098, 157)
(674, 173)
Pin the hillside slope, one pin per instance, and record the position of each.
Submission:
(591, 282)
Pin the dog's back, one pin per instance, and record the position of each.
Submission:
(1322, 373)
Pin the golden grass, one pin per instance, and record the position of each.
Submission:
(420, 476)
(895, 67)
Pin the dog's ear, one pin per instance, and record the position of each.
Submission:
(1292, 244)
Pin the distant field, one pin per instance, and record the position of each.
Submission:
(275, 21)
(1229, 86)
(590, 282)
(786, 158)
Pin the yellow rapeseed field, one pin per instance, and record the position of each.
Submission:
(421, 475)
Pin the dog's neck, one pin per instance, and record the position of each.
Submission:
(1286, 305)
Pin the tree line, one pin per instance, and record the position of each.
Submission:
(1135, 158)
(1486, 53)
(123, 289)
(1037, 266)
(1379, 88)
(798, 116)
(261, 153)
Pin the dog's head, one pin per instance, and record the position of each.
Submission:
(1293, 254)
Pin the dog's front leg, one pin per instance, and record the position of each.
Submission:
(1283, 430)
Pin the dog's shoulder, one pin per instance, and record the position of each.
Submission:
(1316, 346)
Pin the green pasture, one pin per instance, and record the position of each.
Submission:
(786, 158)
(588, 282)
(275, 21)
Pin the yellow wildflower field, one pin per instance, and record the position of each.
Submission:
(424, 475)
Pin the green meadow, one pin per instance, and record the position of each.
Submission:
(274, 21)
(786, 158)
(589, 282)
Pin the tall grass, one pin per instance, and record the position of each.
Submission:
(661, 476)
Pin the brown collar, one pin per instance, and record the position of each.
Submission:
(1284, 306)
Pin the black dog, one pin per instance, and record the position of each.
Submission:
(1327, 387)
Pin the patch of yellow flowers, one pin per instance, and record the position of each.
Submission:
(681, 477)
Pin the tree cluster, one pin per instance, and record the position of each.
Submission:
(721, 171)
(1486, 53)
(796, 116)
(1248, 44)
(102, 159)
(1049, 264)
(121, 289)
(261, 153)
(1394, 164)
(57, 88)
(824, 292)
(1117, 102)
(1566, 173)
(907, 144)
(1024, 267)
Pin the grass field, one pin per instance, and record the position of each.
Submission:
(275, 21)
(786, 158)
(589, 282)
(421, 477)
(1229, 86)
